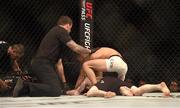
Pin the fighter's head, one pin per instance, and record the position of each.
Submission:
(65, 22)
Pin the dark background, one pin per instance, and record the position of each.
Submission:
(146, 32)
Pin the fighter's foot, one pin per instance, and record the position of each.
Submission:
(93, 91)
(72, 92)
(165, 89)
(109, 94)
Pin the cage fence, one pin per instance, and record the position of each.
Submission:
(145, 32)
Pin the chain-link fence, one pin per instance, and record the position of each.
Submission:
(145, 32)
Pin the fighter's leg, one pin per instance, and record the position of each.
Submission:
(92, 66)
(150, 88)
(80, 78)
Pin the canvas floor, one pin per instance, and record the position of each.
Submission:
(148, 100)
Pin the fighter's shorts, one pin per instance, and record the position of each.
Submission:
(116, 64)
(111, 84)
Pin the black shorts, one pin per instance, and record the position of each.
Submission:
(111, 84)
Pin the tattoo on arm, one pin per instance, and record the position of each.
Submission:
(77, 48)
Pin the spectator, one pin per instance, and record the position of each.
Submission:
(9, 56)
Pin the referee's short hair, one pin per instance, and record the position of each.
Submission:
(64, 20)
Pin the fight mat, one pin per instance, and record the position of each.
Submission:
(148, 100)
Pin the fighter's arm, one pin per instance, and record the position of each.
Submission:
(82, 77)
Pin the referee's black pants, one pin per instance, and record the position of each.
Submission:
(49, 83)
